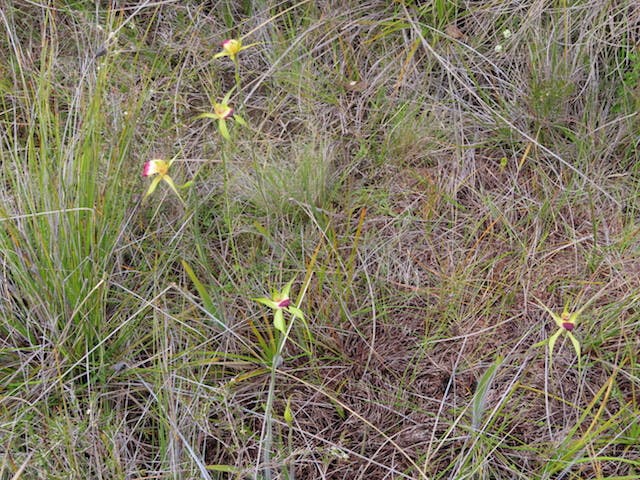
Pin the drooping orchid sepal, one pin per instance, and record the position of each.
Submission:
(159, 169)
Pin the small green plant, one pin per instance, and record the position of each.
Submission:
(280, 302)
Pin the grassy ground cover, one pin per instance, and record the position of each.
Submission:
(386, 240)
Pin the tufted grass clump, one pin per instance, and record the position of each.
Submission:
(427, 188)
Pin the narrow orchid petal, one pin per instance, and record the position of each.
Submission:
(267, 301)
(287, 288)
(249, 46)
(239, 119)
(213, 116)
(296, 312)
(552, 343)
(576, 345)
(553, 315)
(153, 186)
(540, 344)
(278, 321)
(169, 181)
(227, 96)
(224, 131)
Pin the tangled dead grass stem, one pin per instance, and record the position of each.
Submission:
(426, 206)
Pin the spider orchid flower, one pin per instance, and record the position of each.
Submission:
(221, 113)
(280, 302)
(231, 48)
(566, 323)
(159, 168)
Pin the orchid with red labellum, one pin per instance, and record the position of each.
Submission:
(280, 302)
(566, 323)
(231, 48)
(222, 112)
(160, 168)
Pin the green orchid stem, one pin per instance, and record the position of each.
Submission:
(227, 206)
(276, 361)
(268, 419)
(237, 65)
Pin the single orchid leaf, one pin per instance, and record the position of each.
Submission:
(207, 301)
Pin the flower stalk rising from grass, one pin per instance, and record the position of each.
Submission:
(231, 48)
(160, 168)
(222, 112)
(280, 302)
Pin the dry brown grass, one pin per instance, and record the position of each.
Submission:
(426, 209)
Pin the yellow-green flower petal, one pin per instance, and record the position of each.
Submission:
(153, 186)
(576, 345)
(172, 185)
(552, 343)
(278, 321)
(224, 131)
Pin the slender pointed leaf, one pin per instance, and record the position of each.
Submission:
(207, 301)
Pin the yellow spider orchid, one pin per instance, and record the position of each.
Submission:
(161, 169)
(231, 48)
(566, 323)
(222, 112)
(280, 302)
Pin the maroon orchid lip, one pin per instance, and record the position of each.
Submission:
(284, 303)
(568, 325)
